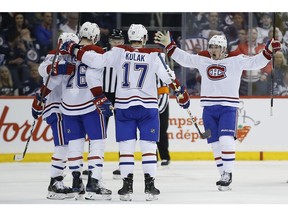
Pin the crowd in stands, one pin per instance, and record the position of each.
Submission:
(26, 38)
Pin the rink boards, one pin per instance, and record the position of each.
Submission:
(261, 136)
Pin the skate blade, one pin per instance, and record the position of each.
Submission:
(224, 188)
(126, 197)
(70, 196)
(56, 196)
(94, 196)
(151, 197)
(116, 177)
(78, 196)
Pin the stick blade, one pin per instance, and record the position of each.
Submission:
(18, 157)
(206, 134)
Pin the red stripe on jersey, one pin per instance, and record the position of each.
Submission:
(148, 154)
(141, 50)
(126, 155)
(75, 158)
(94, 157)
(228, 152)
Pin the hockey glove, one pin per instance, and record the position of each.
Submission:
(103, 105)
(271, 46)
(165, 40)
(183, 98)
(37, 106)
(68, 48)
(182, 95)
(63, 68)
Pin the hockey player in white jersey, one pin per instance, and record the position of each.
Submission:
(109, 80)
(136, 103)
(84, 108)
(52, 115)
(221, 74)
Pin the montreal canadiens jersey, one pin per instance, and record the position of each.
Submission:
(77, 97)
(53, 101)
(136, 71)
(220, 79)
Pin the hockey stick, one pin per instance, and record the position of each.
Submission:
(79, 24)
(19, 157)
(207, 133)
(272, 72)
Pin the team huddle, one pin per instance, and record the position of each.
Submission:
(73, 102)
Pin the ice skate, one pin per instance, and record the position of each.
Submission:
(218, 182)
(57, 190)
(77, 186)
(96, 191)
(165, 163)
(117, 174)
(127, 189)
(225, 181)
(150, 190)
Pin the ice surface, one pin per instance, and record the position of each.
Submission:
(183, 182)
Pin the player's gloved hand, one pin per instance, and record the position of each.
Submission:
(171, 73)
(37, 106)
(165, 40)
(182, 97)
(103, 105)
(62, 67)
(68, 47)
(271, 46)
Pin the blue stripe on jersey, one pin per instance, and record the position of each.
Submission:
(77, 108)
(75, 167)
(228, 159)
(149, 162)
(58, 167)
(126, 163)
(53, 107)
(126, 102)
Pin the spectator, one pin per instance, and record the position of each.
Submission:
(16, 62)
(31, 47)
(4, 47)
(280, 68)
(212, 25)
(285, 45)
(239, 21)
(263, 30)
(242, 39)
(71, 25)
(43, 33)
(278, 35)
(283, 88)
(259, 78)
(18, 24)
(232, 29)
(34, 82)
(6, 83)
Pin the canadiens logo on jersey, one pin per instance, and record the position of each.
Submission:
(216, 72)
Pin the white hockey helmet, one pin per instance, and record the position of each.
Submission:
(138, 32)
(91, 31)
(65, 36)
(219, 40)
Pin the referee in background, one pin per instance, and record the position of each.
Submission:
(163, 104)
